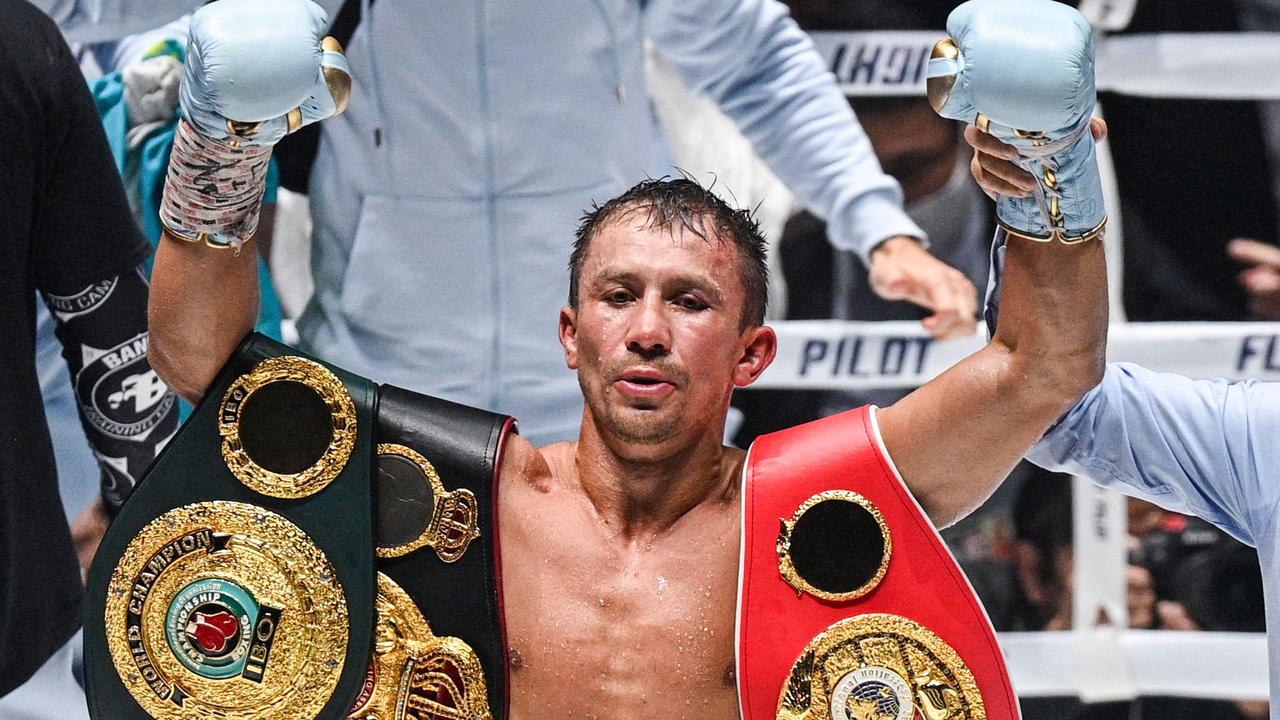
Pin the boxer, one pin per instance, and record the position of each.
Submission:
(646, 569)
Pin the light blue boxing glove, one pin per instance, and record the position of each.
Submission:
(260, 69)
(256, 71)
(1022, 70)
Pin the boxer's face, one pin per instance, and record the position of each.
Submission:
(656, 336)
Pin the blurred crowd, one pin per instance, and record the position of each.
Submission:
(1199, 188)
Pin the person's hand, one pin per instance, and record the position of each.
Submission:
(1174, 616)
(87, 531)
(1140, 597)
(993, 167)
(1261, 280)
(901, 269)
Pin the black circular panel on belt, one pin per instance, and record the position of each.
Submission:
(285, 427)
(837, 546)
(405, 501)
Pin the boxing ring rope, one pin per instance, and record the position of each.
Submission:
(839, 355)
(1100, 659)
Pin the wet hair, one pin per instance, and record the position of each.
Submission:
(682, 202)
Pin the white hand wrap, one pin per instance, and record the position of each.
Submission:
(213, 189)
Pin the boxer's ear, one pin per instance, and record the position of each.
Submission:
(759, 348)
(569, 335)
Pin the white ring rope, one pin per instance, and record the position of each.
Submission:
(1223, 666)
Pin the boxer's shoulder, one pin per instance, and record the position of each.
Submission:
(526, 466)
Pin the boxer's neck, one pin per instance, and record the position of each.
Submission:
(640, 499)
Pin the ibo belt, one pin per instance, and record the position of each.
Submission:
(240, 579)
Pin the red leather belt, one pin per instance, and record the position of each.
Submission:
(850, 607)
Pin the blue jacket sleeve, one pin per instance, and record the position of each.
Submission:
(1202, 447)
(752, 59)
(90, 21)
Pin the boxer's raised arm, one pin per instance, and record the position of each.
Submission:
(1023, 64)
(955, 439)
(256, 70)
(203, 302)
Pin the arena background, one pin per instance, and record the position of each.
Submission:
(1099, 660)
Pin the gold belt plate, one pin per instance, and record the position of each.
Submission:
(414, 673)
(226, 610)
(340, 428)
(880, 667)
(454, 521)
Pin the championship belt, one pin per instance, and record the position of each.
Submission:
(850, 607)
(437, 547)
(240, 581)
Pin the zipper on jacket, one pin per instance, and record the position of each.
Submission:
(495, 255)
(619, 87)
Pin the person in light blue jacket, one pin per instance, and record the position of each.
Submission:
(444, 199)
(91, 21)
(1209, 448)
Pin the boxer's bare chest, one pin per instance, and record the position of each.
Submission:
(602, 628)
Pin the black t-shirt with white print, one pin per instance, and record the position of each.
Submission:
(66, 232)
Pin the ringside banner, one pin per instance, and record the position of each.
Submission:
(878, 63)
(816, 354)
(1171, 65)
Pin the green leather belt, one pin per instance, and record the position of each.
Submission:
(308, 545)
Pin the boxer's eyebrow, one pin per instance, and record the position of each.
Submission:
(701, 284)
(682, 282)
(614, 276)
